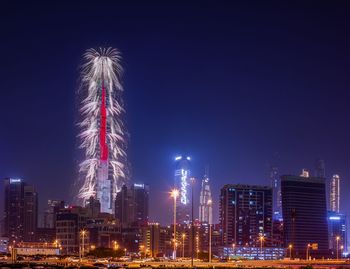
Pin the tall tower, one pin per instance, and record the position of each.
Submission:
(182, 178)
(334, 194)
(205, 201)
(276, 193)
(21, 210)
(103, 170)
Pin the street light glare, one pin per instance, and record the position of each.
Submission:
(174, 193)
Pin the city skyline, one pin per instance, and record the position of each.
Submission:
(229, 93)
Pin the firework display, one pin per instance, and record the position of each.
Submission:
(102, 135)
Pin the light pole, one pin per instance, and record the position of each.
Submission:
(192, 222)
(183, 245)
(209, 206)
(233, 250)
(290, 251)
(174, 194)
(83, 233)
(261, 244)
(197, 245)
(341, 251)
(337, 238)
(307, 251)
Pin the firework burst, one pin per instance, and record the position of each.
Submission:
(102, 133)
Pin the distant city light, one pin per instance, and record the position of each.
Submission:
(334, 218)
(188, 158)
(15, 180)
(178, 158)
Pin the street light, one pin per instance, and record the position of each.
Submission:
(192, 222)
(290, 250)
(83, 233)
(341, 251)
(141, 250)
(261, 243)
(197, 245)
(115, 245)
(233, 249)
(307, 251)
(183, 245)
(210, 202)
(174, 194)
(337, 238)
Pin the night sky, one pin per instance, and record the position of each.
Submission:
(232, 84)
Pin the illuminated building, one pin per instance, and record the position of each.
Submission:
(131, 205)
(69, 222)
(276, 193)
(334, 194)
(246, 215)
(305, 215)
(103, 168)
(150, 239)
(103, 231)
(337, 228)
(182, 183)
(205, 202)
(21, 210)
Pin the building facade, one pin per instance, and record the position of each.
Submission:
(205, 202)
(21, 210)
(334, 194)
(337, 233)
(246, 215)
(182, 183)
(131, 205)
(276, 193)
(305, 216)
(53, 207)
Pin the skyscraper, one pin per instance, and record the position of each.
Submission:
(276, 193)
(337, 232)
(30, 199)
(305, 215)
(131, 205)
(182, 183)
(246, 215)
(334, 194)
(21, 210)
(205, 201)
(103, 170)
(53, 206)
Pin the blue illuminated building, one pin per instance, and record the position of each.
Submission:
(182, 183)
(337, 232)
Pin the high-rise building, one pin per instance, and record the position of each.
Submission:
(182, 183)
(104, 168)
(246, 215)
(150, 239)
(30, 213)
(70, 222)
(334, 194)
(21, 210)
(53, 207)
(337, 233)
(276, 193)
(131, 205)
(305, 215)
(205, 201)
(141, 202)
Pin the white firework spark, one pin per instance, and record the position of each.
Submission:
(101, 67)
